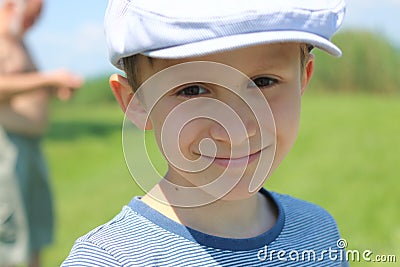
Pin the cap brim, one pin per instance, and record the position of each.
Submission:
(243, 40)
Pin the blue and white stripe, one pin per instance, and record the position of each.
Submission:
(140, 236)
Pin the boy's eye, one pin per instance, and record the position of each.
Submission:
(263, 82)
(192, 90)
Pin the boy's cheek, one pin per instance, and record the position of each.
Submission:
(286, 134)
(286, 110)
(177, 142)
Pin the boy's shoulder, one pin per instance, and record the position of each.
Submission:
(126, 223)
(294, 207)
(300, 214)
(306, 224)
(107, 242)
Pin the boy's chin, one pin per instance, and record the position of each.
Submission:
(240, 191)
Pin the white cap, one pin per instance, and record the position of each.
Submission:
(185, 28)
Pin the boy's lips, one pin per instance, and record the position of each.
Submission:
(235, 162)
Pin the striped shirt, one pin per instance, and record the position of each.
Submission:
(304, 235)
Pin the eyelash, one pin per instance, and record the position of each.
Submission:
(271, 82)
(200, 90)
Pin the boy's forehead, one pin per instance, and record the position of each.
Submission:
(247, 60)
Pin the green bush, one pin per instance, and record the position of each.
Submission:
(94, 91)
(369, 64)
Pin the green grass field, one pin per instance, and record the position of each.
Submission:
(346, 159)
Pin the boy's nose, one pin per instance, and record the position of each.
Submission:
(219, 133)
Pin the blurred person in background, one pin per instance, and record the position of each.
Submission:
(26, 212)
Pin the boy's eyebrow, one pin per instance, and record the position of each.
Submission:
(266, 64)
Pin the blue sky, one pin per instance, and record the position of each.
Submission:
(70, 33)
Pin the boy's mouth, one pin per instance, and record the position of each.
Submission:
(235, 162)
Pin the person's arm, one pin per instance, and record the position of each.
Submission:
(14, 84)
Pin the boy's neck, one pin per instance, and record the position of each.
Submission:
(243, 218)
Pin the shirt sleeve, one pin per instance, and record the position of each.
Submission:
(87, 254)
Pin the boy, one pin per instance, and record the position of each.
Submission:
(26, 214)
(220, 84)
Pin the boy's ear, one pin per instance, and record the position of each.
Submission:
(307, 74)
(129, 102)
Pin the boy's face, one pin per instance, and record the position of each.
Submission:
(238, 142)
